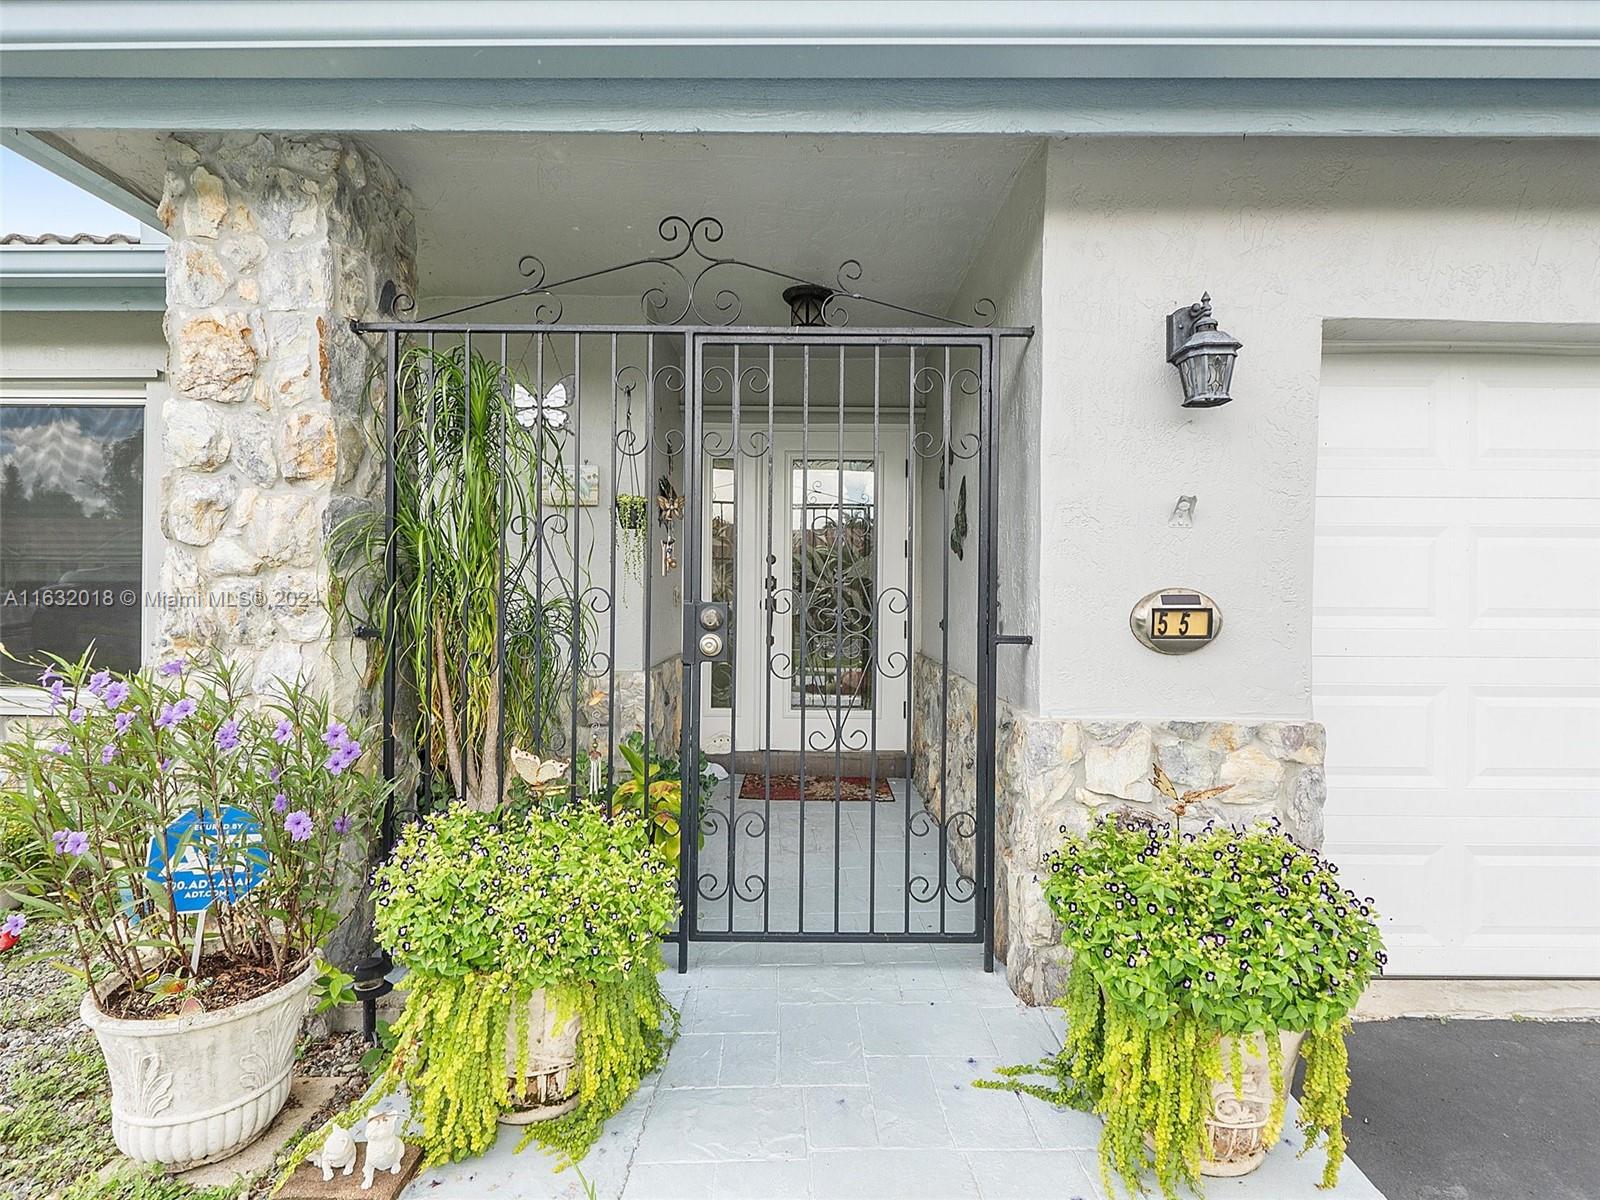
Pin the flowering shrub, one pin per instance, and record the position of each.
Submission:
(1177, 940)
(485, 907)
(124, 756)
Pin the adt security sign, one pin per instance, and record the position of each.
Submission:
(187, 845)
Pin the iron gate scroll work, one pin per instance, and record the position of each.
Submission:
(742, 549)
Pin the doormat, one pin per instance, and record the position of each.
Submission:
(818, 787)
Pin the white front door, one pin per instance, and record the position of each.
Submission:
(1456, 654)
(807, 544)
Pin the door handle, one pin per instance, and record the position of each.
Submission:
(710, 639)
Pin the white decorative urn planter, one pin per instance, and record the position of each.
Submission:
(546, 1088)
(191, 1090)
(1236, 1127)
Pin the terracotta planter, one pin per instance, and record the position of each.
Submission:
(191, 1090)
(547, 1089)
(1235, 1144)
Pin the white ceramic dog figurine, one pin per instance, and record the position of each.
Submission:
(385, 1150)
(338, 1152)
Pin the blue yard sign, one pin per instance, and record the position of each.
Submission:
(187, 845)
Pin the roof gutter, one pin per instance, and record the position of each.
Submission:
(942, 40)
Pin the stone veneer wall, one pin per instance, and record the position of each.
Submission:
(277, 242)
(1055, 775)
(666, 707)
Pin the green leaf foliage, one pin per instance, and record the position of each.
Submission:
(1177, 940)
(484, 908)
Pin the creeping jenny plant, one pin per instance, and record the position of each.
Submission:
(1176, 940)
(483, 908)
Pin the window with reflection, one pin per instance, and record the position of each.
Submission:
(71, 534)
(724, 562)
(833, 570)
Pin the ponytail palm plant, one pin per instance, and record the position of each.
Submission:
(487, 640)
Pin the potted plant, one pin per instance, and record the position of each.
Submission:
(633, 523)
(1202, 964)
(198, 849)
(530, 936)
(443, 583)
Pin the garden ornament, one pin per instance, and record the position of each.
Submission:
(385, 1150)
(337, 1153)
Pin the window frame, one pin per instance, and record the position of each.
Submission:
(124, 391)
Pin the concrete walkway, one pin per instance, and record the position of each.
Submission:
(836, 1072)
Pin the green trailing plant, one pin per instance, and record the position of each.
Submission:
(1178, 940)
(484, 908)
(633, 528)
(470, 447)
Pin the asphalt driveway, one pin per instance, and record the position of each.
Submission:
(1477, 1110)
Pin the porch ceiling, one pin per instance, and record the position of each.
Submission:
(912, 209)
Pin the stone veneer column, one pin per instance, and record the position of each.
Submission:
(1056, 775)
(277, 241)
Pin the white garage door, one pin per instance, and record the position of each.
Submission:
(1456, 653)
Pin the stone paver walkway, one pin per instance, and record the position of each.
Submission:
(833, 1072)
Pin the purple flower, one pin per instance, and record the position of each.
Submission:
(299, 825)
(50, 676)
(14, 924)
(275, 774)
(58, 691)
(172, 667)
(343, 758)
(115, 694)
(124, 720)
(228, 735)
(337, 735)
(108, 752)
(283, 732)
(76, 716)
(99, 681)
(166, 765)
(341, 824)
(69, 841)
(61, 748)
(171, 714)
(280, 802)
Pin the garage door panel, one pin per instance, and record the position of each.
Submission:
(1537, 738)
(1547, 892)
(1381, 423)
(1367, 573)
(1516, 424)
(1390, 734)
(1531, 577)
(1455, 483)
(1456, 655)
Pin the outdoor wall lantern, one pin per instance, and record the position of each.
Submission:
(1202, 353)
(808, 304)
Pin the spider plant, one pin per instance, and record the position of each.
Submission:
(466, 540)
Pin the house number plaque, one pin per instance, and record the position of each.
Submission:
(1176, 620)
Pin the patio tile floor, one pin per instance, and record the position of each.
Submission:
(832, 1072)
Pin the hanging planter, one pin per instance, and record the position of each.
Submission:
(633, 522)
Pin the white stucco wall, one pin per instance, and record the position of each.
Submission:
(1007, 269)
(1285, 234)
(72, 345)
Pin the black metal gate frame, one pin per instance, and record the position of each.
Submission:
(986, 343)
(695, 337)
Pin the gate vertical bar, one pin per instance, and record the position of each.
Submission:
(988, 602)
(689, 748)
(391, 570)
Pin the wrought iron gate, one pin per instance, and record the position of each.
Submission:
(764, 554)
